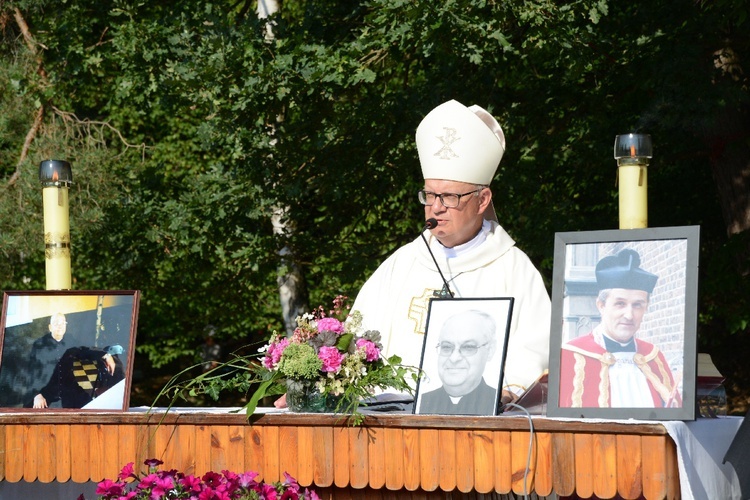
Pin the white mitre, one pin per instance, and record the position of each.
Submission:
(462, 144)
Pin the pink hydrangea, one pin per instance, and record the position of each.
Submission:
(273, 355)
(330, 325)
(331, 358)
(372, 353)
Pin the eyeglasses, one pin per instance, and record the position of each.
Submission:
(449, 200)
(466, 350)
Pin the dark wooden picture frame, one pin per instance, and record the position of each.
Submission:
(67, 350)
(491, 319)
(666, 329)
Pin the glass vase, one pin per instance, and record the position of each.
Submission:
(303, 397)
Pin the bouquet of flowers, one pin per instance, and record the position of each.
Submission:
(329, 363)
(162, 484)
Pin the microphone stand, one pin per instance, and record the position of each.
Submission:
(446, 291)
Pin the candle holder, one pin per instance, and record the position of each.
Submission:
(56, 177)
(633, 152)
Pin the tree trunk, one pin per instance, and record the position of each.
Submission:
(291, 282)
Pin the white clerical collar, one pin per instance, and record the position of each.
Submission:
(469, 245)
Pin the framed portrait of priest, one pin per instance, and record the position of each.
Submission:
(463, 356)
(67, 350)
(624, 316)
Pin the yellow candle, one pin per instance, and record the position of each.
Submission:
(633, 152)
(633, 182)
(56, 177)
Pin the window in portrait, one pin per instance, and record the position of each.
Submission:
(67, 350)
(464, 356)
(623, 341)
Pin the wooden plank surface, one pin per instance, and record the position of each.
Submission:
(376, 457)
(203, 449)
(126, 447)
(271, 472)
(254, 451)
(359, 455)
(673, 478)
(394, 458)
(483, 461)
(654, 466)
(288, 440)
(410, 452)
(485, 457)
(62, 453)
(605, 465)
(563, 463)
(14, 453)
(80, 457)
(543, 472)
(323, 456)
(305, 469)
(584, 464)
(30, 453)
(46, 453)
(184, 443)
(464, 464)
(2, 455)
(97, 452)
(447, 452)
(429, 459)
(236, 448)
(523, 464)
(503, 464)
(343, 459)
(629, 464)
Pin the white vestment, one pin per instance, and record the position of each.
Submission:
(394, 300)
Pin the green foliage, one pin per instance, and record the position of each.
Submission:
(188, 128)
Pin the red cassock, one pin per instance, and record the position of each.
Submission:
(584, 374)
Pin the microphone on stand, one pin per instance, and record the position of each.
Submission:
(432, 223)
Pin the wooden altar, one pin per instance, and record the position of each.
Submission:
(390, 456)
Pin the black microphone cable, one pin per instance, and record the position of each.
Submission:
(432, 223)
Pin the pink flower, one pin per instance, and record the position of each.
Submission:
(268, 491)
(247, 479)
(109, 487)
(207, 494)
(312, 494)
(212, 479)
(127, 471)
(160, 484)
(331, 358)
(162, 487)
(372, 353)
(148, 481)
(330, 325)
(152, 462)
(191, 483)
(273, 355)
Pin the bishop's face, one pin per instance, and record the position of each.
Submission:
(456, 225)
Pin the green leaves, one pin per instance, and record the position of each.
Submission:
(189, 127)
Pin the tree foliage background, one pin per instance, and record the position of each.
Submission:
(214, 152)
